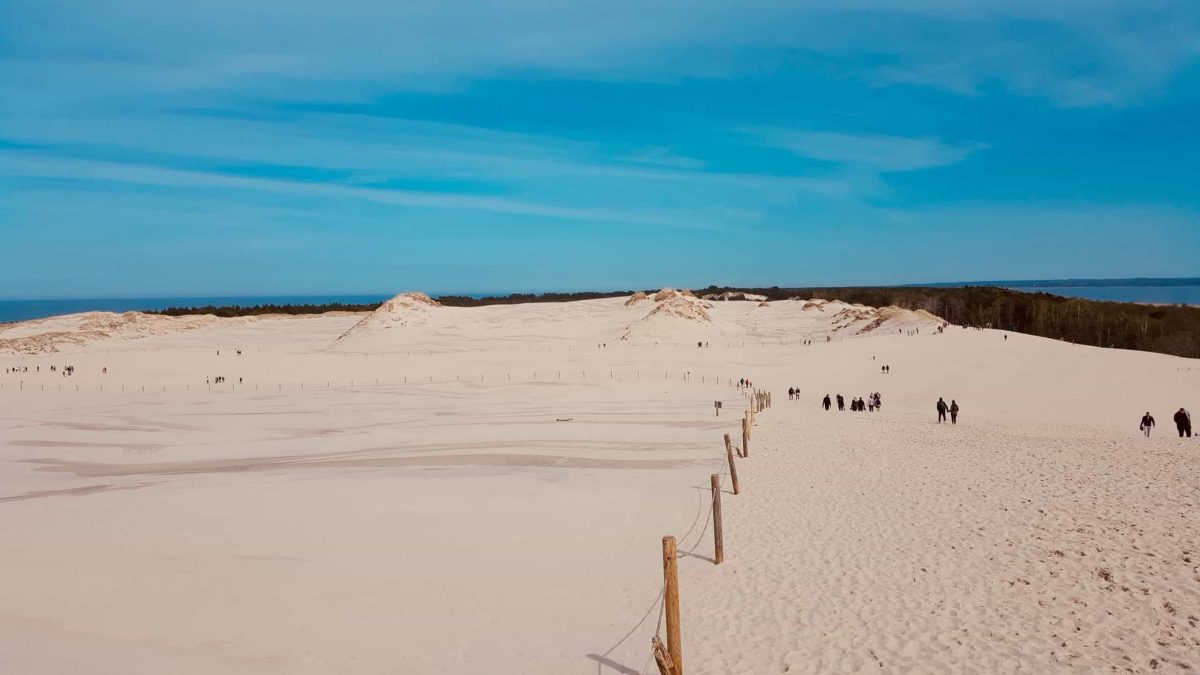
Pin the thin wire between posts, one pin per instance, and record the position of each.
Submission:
(660, 600)
(724, 471)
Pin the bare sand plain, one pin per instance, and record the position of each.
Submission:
(396, 493)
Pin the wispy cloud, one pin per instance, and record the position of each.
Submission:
(25, 166)
(881, 152)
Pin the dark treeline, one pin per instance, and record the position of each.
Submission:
(521, 298)
(1171, 282)
(1165, 329)
(448, 300)
(227, 311)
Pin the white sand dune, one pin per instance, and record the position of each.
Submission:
(394, 492)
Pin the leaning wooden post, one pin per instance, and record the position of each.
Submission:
(671, 603)
(662, 657)
(732, 466)
(718, 534)
(745, 437)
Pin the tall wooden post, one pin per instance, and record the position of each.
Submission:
(745, 437)
(718, 535)
(671, 603)
(732, 466)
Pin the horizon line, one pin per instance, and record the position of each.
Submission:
(1061, 282)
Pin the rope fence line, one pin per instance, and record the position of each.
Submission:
(660, 599)
(669, 656)
(755, 341)
(277, 386)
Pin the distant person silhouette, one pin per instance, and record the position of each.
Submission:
(1147, 423)
(941, 410)
(826, 403)
(953, 411)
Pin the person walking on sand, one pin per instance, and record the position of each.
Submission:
(841, 403)
(791, 393)
(1147, 423)
(826, 403)
(953, 411)
(1183, 422)
(941, 409)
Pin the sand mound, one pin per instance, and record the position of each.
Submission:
(43, 336)
(404, 310)
(861, 319)
(674, 312)
(882, 316)
(764, 303)
(636, 298)
(681, 307)
(734, 296)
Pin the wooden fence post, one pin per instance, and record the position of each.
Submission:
(732, 466)
(745, 437)
(671, 603)
(718, 534)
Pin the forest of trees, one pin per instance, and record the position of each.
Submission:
(520, 298)
(1166, 329)
(227, 311)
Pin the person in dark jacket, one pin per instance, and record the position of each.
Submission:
(841, 402)
(953, 411)
(1183, 422)
(1147, 423)
(941, 408)
(826, 403)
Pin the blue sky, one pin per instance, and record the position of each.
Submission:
(369, 146)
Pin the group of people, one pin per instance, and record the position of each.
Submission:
(886, 370)
(1182, 418)
(744, 383)
(874, 402)
(942, 409)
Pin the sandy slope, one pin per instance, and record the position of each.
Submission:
(403, 499)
